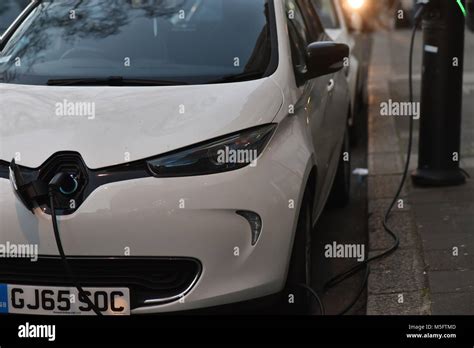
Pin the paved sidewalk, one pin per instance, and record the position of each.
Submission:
(433, 270)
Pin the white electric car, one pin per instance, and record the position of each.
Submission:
(166, 155)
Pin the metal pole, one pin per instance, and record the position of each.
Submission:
(470, 14)
(441, 96)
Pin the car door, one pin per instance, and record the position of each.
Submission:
(333, 20)
(335, 113)
(314, 92)
(337, 107)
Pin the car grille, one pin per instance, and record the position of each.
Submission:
(161, 279)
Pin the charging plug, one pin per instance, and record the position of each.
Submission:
(58, 181)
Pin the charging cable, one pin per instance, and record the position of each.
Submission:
(396, 241)
(54, 187)
(322, 309)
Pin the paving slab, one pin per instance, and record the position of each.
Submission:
(446, 260)
(451, 281)
(396, 281)
(452, 304)
(384, 186)
(401, 223)
(414, 303)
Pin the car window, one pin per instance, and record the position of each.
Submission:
(190, 41)
(313, 22)
(297, 22)
(327, 13)
(304, 27)
(9, 10)
(298, 34)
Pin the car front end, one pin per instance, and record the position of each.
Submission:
(161, 211)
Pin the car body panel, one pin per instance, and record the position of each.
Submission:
(324, 126)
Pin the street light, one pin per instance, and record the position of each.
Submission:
(356, 4)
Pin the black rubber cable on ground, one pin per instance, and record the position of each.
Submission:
(64, 259)
(351, 271)
(322, 309)
(359, 293)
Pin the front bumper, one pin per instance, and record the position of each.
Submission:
(191, 217)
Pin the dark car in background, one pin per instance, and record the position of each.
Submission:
(9, 10)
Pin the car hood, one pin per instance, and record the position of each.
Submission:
(113, 125)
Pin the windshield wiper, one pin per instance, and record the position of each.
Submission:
(113, 81)
(246, 76)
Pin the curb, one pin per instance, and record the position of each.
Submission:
(397, 284)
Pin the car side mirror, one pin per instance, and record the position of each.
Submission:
(325, 57)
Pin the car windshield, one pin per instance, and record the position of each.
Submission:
(183, 41)
(9, 10)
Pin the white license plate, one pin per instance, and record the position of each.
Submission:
(47, 300)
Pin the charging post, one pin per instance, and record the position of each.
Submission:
(470, 14)
(441, 95)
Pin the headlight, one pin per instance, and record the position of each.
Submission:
(221, 155)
